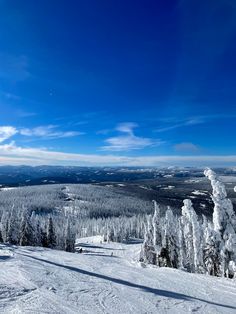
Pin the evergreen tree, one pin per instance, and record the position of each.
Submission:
(1, 239)
(4, 226)
(181, 244)
(148, 253)
(13, 228)
(211, 254)
(156, 223)
(193, 236)
(169, 254)
(35, 222)
(26, 230)
(69, 238)
(224, 224)
(44, 239)
(51, 237)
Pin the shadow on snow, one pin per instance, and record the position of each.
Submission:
(158, 292)
(91, 246)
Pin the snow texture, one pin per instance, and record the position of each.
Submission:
(105, 278)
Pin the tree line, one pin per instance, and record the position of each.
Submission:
(29, 229)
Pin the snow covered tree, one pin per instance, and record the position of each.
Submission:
(4, 226)
(148, 253)
(51, 237)
(38, 230)
(181, 243)
(13, 228)
(26, 236)
(110, 234)
(69, 238)
(211, 254)
(188, 236)
(44, 239)
(156, 223)
(224, 224)
(1, 239)
(169, 253)
(189, 244)
(193, 238)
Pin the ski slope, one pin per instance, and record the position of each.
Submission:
(105, 278)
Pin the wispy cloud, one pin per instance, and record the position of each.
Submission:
(25, 114)
(9, 96)
(127, 127)
(181, 123)
(44, 132)
(48, 132)
(7, 132)
(12, 154)
(186, 147)
(128, 141)
(172, 123)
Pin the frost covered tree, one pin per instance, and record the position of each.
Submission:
(188, 237)
(193, 244)
(109, 231)
(148, 253)
(51, 237)
(69, 238)
(156, 223)
(1, 238)
(193, 237)
(182, 249)
(224, 225)
(4, 226)
(169, 252)
(211, 254)
(44, 239)
(13, 227)
(26, 236)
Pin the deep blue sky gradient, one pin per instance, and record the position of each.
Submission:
(169, 67)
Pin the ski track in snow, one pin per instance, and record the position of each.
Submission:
(37, 280)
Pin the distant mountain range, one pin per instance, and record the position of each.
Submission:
(27, 175)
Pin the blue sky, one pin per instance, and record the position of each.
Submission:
(118, 82)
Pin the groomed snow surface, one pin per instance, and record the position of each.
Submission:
(105, 278)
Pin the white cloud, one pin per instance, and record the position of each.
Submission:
(126, 127)
(186, 147)
(6, 132)
(48, 131)
(45, 132)
(129, 141)
(12, 154)
(43, 156)
(122, 127)
(38, 131)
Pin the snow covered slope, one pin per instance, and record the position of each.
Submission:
(104, 279)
